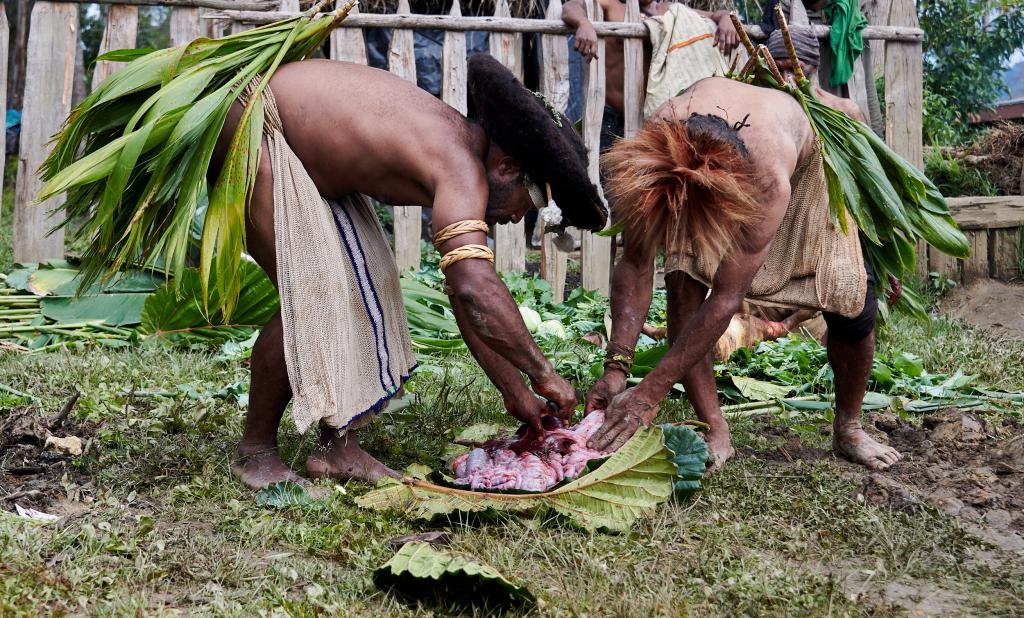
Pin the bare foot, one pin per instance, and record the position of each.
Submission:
(852, 442)
(258, 467)
(342, 459)
(720, 449)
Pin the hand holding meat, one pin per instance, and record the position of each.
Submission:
(528, 410)
(604, 390)
(555, 388)
(622, 418)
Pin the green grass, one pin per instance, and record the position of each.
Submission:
(161, 527)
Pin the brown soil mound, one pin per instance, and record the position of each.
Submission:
(989, 304)
(33, 474)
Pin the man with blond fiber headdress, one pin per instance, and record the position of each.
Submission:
(727, 178)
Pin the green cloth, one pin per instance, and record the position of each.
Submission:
(846, 41)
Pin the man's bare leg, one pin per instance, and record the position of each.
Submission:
(257, 462)
(851, 362)
(685, 295)
(338, 456)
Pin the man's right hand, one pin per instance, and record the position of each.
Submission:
(586, 40)
(604, 390)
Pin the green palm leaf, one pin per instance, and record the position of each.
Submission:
(133, 156)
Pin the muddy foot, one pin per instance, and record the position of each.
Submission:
(342, 459)
(720, 450)
(854, 444)
(259, 467)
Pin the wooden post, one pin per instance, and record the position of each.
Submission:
(554, 84)
(347, 43)
(52, 45)
(186, 25)
(290, 6)
(633, 78)
(943, 264)
(597, 251)
(509, 238)
(1005, 263)
(16, 86)
(119, 33)
(904, 98)
(402, 62)
(976, 266)
(5, 34)
(453, 67)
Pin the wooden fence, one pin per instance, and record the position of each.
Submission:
(992, 222)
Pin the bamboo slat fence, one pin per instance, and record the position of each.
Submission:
(993, 224)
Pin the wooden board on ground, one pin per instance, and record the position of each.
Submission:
(1005, 252)
(407, 219)
(509, 238)
(49, 79)
(554, 84)
(976, 266)
(978, 213)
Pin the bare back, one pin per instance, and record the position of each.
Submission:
(775, 128)
(359, 129)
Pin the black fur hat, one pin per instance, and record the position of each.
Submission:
(543, 141)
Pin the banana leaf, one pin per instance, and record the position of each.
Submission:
(893, 204)
(133, 157)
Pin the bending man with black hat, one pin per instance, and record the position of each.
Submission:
(339, 348)
(727, 178)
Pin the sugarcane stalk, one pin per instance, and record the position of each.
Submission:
(774, 68)
(83, 334)
(45, 328)
(16, 393)
(735, 17)
(17, 312)
(780, 15)
(757, 405)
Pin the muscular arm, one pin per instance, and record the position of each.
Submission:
(632, 289)
(574, 15)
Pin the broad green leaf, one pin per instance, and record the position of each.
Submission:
(480, 432)
(426, 573)
(690, 456)
(113, 309)
(283, 494)
(125, 55)
(759, 390)
(176, 312)
(909, 364)
(630, 484)
(46, 281)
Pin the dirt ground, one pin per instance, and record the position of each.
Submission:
(954, 461)
(992, 305)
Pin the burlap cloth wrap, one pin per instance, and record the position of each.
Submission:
(346, 337)
(811, 263)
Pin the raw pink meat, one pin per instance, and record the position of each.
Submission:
(530, 463)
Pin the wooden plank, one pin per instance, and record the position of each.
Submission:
(289, 6)
(904, 98)
(939, 262)
(218, 5)
(509, 238)
(1005, 252)
(633, 75)
(554, 84)
(977, 213)
(877, 12)
(597, 251)
(408, 221)
(453, 67)
(119, 33)
(347, 44)
(976, 266)
(5, 34)
(540, 26)
(858, 87)
(49, 79)
(186, 25)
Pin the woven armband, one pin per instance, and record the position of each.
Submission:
(458, 229)
(618, 357)
(466, 252)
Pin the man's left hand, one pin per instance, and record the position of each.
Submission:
(726, 37)
(622, 418)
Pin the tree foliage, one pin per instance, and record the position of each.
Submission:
(967, 45)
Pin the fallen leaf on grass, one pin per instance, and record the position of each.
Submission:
(628, 485)
(283, 494)
(70, 445)
(759, 390)
(34, 514)
(419, 571)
